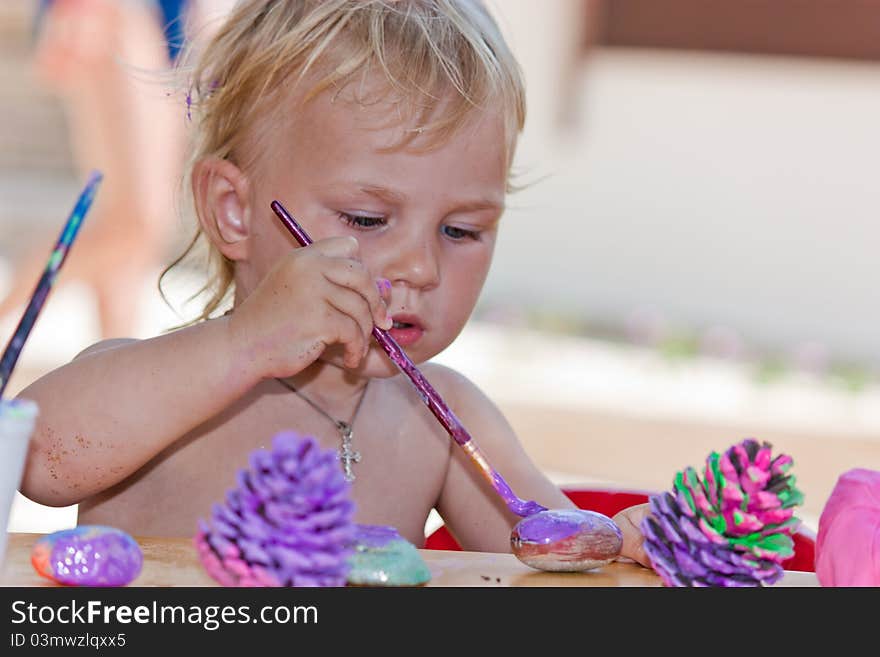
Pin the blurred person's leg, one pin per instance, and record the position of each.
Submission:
(105, 60)
(550, 41)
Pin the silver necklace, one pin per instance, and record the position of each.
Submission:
(347, 454)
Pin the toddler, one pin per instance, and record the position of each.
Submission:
(387, 129)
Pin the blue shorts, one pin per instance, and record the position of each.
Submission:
(172, 22)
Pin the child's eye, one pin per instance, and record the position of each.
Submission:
(362, 221)
(455, 233)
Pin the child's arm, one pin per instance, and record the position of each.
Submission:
(116, 406)
(475, 514)
(119, 403)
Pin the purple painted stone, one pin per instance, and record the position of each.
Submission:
(566, 540)
(88, 555)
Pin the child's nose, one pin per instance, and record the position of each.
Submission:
(413, 263)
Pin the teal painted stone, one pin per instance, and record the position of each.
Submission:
(382, 557)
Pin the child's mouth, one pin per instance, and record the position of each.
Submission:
(406, 330)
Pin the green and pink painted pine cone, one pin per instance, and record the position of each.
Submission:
(732, 527)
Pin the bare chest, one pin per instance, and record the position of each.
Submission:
(398, 458)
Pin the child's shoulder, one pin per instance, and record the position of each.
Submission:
(443, 374)
(104, 345)
(450, 383)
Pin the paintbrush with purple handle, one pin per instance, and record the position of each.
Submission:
(430, 396)
(546, 539)
(44, 285)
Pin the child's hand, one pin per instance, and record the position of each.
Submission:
(630, 520)
(314, 297)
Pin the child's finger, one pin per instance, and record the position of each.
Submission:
(336, 247)
(348, 271)
(353, 306)
(629, 520)
(353, 275)
(346, 334)
(351, 337)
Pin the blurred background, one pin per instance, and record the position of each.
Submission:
(691, 262)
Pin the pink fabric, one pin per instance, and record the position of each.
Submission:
(848, 543)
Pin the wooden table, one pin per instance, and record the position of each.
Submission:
(173, 562)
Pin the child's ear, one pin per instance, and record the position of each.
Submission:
(222, 197)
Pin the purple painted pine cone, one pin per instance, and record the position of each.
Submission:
(732, 528)
(288, 523)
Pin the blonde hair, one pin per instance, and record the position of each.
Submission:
(445, 58)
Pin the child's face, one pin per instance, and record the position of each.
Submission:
(425, 220)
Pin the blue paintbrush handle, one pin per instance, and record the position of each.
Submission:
(38, 298)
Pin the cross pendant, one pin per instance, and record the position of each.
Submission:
(347, 453)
